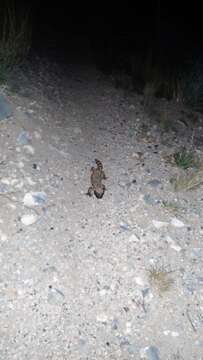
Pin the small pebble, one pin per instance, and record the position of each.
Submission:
(29, 219)
(154, 183)
(55, 296)
(37, 135)
(150, 353)
(128, 327)
(132, 348)
(139, 281)
(24, 138)
(102, 292)
(172, 333)
(177, 223)
(29, 149)
(124, 226)
(102, 318)
(173, 244)
(34, 198)
(133, 238)
(30, 111)
(4, 188)
(159, 224)
(3, 236)
(124, 342)
(150, 200)
(114, 324)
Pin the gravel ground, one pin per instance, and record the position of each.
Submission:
(86, 278)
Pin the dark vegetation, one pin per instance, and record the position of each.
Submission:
(138, 48)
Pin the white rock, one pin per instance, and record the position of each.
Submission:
(176, 247)
(172, 333)
(173, 244)
(37, 135)
(28, 200)
(102, 318)
(29, 219)
(6, 181)
(102, 292)
(139, 281)
(133, 238)
(21, 165)
(20, 185)
(166, 332)
(30, 111)
(30, 181)
(3, 236)
(128, 326)
(29, 149)
(12, 206)
(177, 223)
(34, 198)
(149, 353)
(159, 224)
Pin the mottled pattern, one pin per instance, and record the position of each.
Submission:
(97, 175)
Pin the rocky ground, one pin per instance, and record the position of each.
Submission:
(86, 278)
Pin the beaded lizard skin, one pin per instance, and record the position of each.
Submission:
(97, 175)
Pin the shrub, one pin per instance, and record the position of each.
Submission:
(184, 159)
(15, 37)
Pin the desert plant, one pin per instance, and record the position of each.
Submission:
(171, 206)
(15, 38)
(184, 159)
(187, 182)
(159, 279)
(163, 74)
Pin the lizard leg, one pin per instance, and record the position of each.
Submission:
(90, 191)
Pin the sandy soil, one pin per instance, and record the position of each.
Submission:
(86, 278)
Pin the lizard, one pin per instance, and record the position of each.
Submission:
(96, 177)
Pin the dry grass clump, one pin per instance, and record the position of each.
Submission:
(159, 279)
(187, 182)
(184, 159)
(171, 206)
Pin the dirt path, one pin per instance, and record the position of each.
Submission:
(82, 278)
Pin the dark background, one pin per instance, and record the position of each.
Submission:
(135, 37)
(88, 27)
(113, 35)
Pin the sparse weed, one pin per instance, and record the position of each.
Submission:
(187, 182)
(171, 206)
(159, 279)
(184, 159)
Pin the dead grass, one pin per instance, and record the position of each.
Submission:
(160, 280)
(187, 182)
